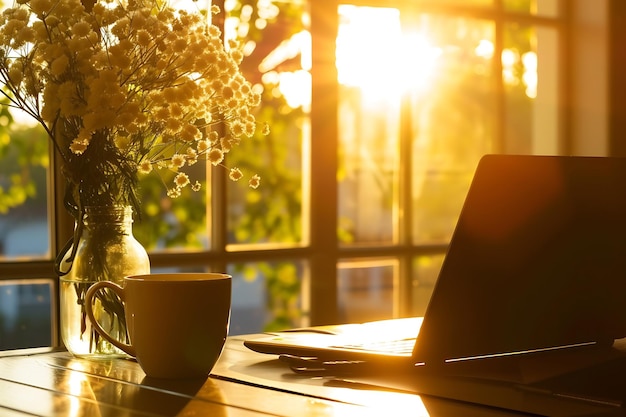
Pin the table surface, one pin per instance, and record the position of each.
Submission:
(45, 382)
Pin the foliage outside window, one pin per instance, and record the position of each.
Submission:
(404, 160)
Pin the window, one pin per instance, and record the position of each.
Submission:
(379, 113)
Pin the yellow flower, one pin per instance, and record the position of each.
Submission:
(177, 161)
(235, 174)
(202, 146)
(50, 102)
(128, 114)
(189, 133)
(16, 73)
(145, 167)
(173, 192)
(119, 56)
(121, 28)
(91, 121)
(237, 56)
(162, 114)
(191, 156)
(227, 92)
(254, 182)
(122, 142)
(81, 28)
(215, 156)
(78, 147)
(143, 37)
(225, 144)
(173, 125)
(68, 99)
(237, 129)
(175, 110)
(141, 84)
(24, 35)
(181, 180)
(179, 45)
(39, 7)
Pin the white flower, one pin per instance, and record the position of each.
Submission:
(215, 156)
(235, 174)
(140, 77)
(254, 182)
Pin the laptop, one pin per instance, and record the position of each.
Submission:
(536, 263)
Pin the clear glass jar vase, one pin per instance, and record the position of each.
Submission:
(106, 251)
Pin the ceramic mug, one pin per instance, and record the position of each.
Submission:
(177, 322)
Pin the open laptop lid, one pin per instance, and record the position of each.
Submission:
(537, 260)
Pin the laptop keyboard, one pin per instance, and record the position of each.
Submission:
(397, 347)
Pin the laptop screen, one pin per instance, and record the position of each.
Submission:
(537, 259)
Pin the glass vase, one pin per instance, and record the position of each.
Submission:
(106, 251)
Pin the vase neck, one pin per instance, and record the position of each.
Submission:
(116, 216)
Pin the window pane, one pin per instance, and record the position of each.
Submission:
(465, 3)
(272, 213)
(367, 291)
(370, 66)
(531, 90)
(548, 8)
(267, 296)
(24, 231)
(270, 33)
(425, 273)
(277, 63)
(173, 223)
(452, 120)
(26, 314)
(441, 68)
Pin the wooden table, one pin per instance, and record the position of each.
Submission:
(45, 382)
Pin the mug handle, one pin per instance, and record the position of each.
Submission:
(91, 292)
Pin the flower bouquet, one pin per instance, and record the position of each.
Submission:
(124, 88)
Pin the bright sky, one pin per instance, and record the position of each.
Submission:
(374, 54)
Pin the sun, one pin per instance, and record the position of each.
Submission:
(375, 54)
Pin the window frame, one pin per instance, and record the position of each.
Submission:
(321, 251)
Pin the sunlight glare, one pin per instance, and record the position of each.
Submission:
(267, 10)
(380, 403)
(529, 59)
(374, 55)
(373, 404)
(76, 383)
(230, 5)
(418, 65)
(296, 88)
(485, 49)
(21, 119)
(509, 59)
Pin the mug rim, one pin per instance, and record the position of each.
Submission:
(178, 277)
